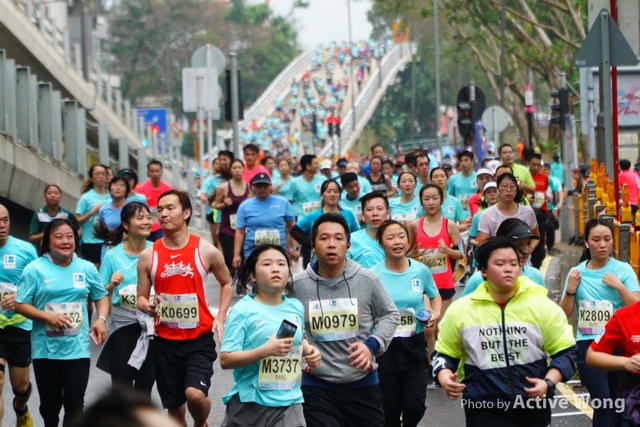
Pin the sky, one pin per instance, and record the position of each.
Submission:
(325, 21)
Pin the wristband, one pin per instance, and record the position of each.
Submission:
(570, 294)
(103, 318)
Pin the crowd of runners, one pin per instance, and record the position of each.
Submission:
(357, 337)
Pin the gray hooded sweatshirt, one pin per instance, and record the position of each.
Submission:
(350, 306)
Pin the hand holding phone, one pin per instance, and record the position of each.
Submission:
(286, 330)
(94, 337)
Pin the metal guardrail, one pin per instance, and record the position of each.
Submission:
(374, 83)
(284, 79)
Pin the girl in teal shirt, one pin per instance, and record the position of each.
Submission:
(53, 293)
(267, 369)
(406, 207)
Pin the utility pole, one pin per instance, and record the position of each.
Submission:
(437, 66)
(235, 104)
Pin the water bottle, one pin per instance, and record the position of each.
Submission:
(424, 316)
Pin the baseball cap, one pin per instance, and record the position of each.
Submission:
(493, 165)
(261, 178)
(515, 229)
(483, 171)
(325, 164)
(127, 172)
(490, 184)
(348, 178)
(342, 162)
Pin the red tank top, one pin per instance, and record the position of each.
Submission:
(440, 264)
(179, 277)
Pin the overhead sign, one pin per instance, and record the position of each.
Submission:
(207, 80)
(400, 32)
(194, 129)
(157, 116)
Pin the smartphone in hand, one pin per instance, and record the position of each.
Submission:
(286, 330)
(94, 337)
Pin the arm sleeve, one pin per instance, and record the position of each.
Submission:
(301, 237)
(558, 340)
(385, 315)
(304, 224)
(235, 330)
(610, 338)
(96, 288)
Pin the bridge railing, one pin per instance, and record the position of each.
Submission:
(283, 80)
(364, 99)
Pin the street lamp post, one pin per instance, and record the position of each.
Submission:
(437, 67)
(353, 86)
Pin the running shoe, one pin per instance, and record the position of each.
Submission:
(24, 420)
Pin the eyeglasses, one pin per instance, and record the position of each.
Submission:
(507, 187)
(99, 174)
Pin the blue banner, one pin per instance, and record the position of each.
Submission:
(157, 116)
(481, 149)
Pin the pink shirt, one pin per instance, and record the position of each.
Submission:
(152, 195)
(248, 175)
(631, 179)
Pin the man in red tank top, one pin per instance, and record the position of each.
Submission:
(183, 347)
(539, 206)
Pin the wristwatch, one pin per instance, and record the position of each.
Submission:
(551, 388)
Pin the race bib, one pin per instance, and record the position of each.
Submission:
(154, 213)
(233, 221)
(309, 207)
(281, 373)
(9, 262)
(404, 218)
(464, 200)
(263, 237)
(436, 261)
(407, 325)
(538, 199)
(7, 289)
(334, 320)
(128, 297)
(593, 316)
(71, 309)
(179, 311)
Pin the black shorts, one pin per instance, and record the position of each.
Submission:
(179, 364)
(91, 252)
(446, 294)
(210, 218)
(15, 346)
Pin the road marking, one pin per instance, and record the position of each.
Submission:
(575, 400)
(545, 265)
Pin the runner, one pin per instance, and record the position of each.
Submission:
(152, 189)
(110, 212)
(15, 330)
(53, 292)
(436, 245)
(183, 347)
(51, 211)
(352, 194)
(482, 177)
(464, 184)
(555, 201)
(506, 208)
(516, 231)
(267, 369)
(251, 168)
(282, 185)
(489, 199)
(406, 207)
(229, 197)
(380, 182)
(364, 248)
(132, 179)
(125, 354)
(330, 192)
(219, 175)
(525, 182)
(377, 150)
(403, 368)
(539, 206)
(597, 288)
(343, 389)
(421, 169)
(93, 197)
(264, 218)
(469, 356)
(451, 208)
(365, 185)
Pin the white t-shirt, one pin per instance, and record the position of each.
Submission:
(492, 218)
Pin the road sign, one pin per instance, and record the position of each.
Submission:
(619, 51)
(495, 119)
(194, 129)
(157, 116)
(209, 56)
(528, 95)
(210, 96)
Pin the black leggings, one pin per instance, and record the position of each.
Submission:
(121, 344)
(601, 385)
(227, 243)
(61, 383)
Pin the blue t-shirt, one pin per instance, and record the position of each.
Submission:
(137, 198)
(87, 201)
(476, 279)
(365, 185)
(249, 325)
(354, 205)
(49, 287)
(407, 291)
(557, 171)
(475, 223)
(462, 188)
(364, 250)
(306, 224)
(15, 255)
(264, 221)
(208, 186)
(592, 294)
(306, 195)
(118, 261)
(286, 190)
(405, 212)
(111, 215)
(452, 209)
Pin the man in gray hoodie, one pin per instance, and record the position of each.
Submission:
(342, 302)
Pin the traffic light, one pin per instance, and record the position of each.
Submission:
(145, 142)
(336, 125)
(465, 119)
(330, 123)
(155, 129)
(562, 107)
